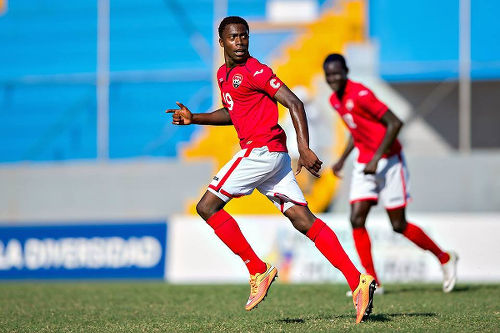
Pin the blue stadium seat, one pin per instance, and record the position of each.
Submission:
(47, 115)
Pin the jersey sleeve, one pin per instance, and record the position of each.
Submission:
(369, 102)
(263, 78)
(224, 104)
(220, 78)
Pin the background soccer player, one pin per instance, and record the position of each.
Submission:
(380, 171)
(250, 92)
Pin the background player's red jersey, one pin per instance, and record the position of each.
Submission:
(247, 91)
(361, 112)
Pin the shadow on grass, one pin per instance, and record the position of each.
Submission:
(291, 320)
(460, 289)
(304, 319)
(381, 317)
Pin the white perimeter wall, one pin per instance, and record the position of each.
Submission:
(196, 255)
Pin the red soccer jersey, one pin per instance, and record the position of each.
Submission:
(247, 92)
(361, 112)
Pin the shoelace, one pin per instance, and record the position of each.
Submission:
(357, 304)
(253, 284)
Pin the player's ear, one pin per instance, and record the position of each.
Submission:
(220, 42)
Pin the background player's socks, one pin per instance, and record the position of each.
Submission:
(363, 246)
(229, 232)
(419, 237)
(328, 244)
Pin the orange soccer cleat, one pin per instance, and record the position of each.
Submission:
(259, 286)
(362, 297)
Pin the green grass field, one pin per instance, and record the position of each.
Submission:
(161, 307)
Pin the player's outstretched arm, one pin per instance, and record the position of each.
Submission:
(308, 158)
(182, 116)
(337, 167)
(393, 125)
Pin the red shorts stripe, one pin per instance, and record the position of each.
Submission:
(227, 194)
(282, 204)
(231, 169)
(364, 199)
(281, 196)
(396, 207)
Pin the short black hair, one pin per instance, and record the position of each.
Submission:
(335, 57)
(232, 20)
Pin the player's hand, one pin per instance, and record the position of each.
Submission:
(310, 161)
(337, 167)
(370, 168)
(181, 116)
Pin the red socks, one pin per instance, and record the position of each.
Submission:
(418, 236)
(328, 244)
(363, 246)
(229, 232)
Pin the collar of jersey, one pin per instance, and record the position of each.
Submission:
(348, 87)
(237, 65)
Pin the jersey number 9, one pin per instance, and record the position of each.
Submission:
(229, 101)
(349, 120)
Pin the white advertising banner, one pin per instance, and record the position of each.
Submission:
(196, 255)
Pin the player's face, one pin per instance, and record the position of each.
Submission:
(336, 75)
(235, 43)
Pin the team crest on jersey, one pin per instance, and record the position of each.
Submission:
(349, 104)
(237, 79)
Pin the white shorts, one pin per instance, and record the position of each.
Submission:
(269, 172)
(389, 183)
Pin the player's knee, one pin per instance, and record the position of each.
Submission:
(357, 221)
(302, 225)
(302, 219)
(398, 226)
(204, 210)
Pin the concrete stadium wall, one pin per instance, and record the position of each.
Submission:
(445, 183)
(139, 189)
(155, 189)
(436, 103)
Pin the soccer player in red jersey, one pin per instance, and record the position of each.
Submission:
(380, 171)
(250, 92)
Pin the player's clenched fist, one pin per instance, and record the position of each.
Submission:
(181, 116)
(337, 167)
(310, 161)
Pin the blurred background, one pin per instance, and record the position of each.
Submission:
(95, 182)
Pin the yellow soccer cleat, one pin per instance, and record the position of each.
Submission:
(379, 291)
(362, 297)
(259, 285)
